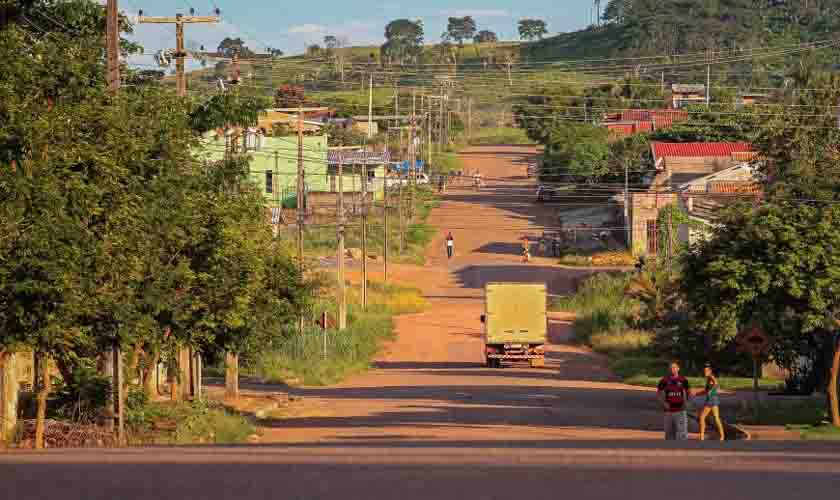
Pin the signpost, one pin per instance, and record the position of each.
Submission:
(754, 341)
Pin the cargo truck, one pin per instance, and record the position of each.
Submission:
(515, 323)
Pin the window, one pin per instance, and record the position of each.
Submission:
(269, 181)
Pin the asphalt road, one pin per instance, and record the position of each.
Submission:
(393, 469)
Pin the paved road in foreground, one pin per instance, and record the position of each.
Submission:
(430, 422)
(430, 470)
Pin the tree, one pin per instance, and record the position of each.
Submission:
(289, 96)
(230, 46)
(579, 150)
(532, 29)
(403, 40)
(275, 52)
(331, 43)
(314, 50)
(776, 266)
(460, 29)
(485, 36)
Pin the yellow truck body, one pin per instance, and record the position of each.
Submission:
(515, 322)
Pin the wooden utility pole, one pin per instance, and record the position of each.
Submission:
(385, 243)
(469, 118)
(370, 109)
(180, 53)
(364, 233)
(112, 46)
(400, 210)
(342, 295)
(300, 204)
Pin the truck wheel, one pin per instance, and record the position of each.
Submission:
(537, 363)
(494, 363)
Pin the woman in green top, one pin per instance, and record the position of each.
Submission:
(712, 403)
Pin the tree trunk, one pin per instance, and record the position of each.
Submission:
(43, 392)
(174, 389)
(231, 376)
(832, 386)
(149, 374)
(132, 370)
(8, 396)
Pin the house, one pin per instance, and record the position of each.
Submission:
(681, 168)
(311, 126)
(703, 198)
(274, 163)
(354, 162)
(753, 98)
(680, 162)
(636, 121)
(683, 95)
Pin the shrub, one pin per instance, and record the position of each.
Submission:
(622, 341)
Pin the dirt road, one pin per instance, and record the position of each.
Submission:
(431, 422)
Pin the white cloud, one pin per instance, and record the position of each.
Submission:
(308, 29)
(475, 13)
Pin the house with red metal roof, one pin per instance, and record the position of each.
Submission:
(680, 162)
(636, 121)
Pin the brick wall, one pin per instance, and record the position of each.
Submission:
(644, 207)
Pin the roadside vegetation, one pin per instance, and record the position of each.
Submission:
(321, 357)
(322, 241)
(612, 321)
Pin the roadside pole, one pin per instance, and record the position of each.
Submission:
(300, 205)
(400, 209)
(385, 217)
(364, 233)
(342, 295)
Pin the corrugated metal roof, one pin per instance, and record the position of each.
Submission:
(698, 149)
(359, 157)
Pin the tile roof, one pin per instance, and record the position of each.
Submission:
(698, 149)
(734, 187)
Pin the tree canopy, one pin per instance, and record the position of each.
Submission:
(532, 29)
(403, 40)
(485, 36)
(460, 29)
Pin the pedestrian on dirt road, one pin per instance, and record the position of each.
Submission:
(450, 245)
(673, 392)
(526, 249)
(712, 403)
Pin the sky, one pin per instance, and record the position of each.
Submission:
(289, 26)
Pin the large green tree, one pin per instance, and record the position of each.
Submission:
(403, 40)
(460, 29)
(776, 266)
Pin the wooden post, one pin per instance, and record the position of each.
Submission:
(112, 46)
(184, 372)
(119, 391)
(8, 396)
(385, 243)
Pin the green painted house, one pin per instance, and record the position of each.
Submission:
(274, 166)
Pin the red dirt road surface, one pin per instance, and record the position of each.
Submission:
(430, 421)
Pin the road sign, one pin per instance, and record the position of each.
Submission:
(753, 341)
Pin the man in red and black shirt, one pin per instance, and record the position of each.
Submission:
(673, 392)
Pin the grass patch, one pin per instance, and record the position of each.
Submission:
(596, 258)
(820, 433)
(323, 358)
(798, 412)
(196, 422)
(498, 135)
(650, 378)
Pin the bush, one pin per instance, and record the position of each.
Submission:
(183, 423)
(619, 342)
(83, 398)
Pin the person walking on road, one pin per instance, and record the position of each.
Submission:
(526, 249)
(711, 404)
(673, 392)
(450, 245)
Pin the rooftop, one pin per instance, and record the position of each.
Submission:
(698, 149)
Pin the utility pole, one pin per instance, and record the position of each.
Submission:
(370, 110)
(469, 118)
(112, 44)
(364, 233)
(400, 210)
(300, 204)
(385, 243)
(179, 21)
(342, 295)
(627, 202)
(708, 83)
